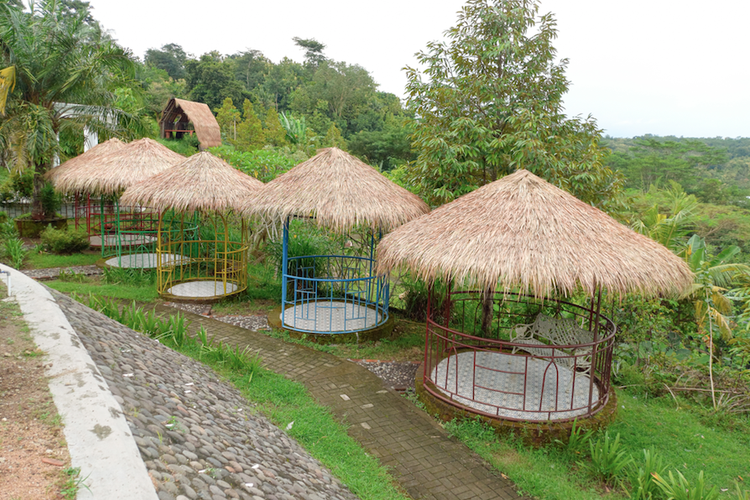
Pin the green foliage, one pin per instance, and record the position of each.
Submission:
(263, 164)
(61, 56)
(474, 126)
(171, 58)
(641, 476)
(579, 440)
(295, 128)
(15, 252)
(64, 241)
(672, 228)
(129, 276)
(186, 146)
(608, 458)
(250, 134)
(679, 488)
(3, 217)
(649, 160)
(210, 80)
(19, 184)
(71, 276)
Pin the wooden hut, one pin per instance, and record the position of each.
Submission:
(210, 263)
(335, 293)
(508, 334)
(181, 117)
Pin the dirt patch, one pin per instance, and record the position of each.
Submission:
(33, 453)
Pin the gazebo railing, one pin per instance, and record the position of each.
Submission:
(482, 363)
(333, 294)
(186, 254)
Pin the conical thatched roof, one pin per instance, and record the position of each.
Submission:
(202, 182)
(521, 231)
(206, 127)
(340, 191)
(118, 169)
(64, 177)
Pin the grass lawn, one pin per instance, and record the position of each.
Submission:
(95, 285)
(46, 260)
(685, 443)
(688, 440)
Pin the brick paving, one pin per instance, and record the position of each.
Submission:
(425, 461)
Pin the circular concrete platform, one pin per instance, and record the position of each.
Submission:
(330, 316)
(145, 260)
(493, 382)
(125, 240)
(202, 289)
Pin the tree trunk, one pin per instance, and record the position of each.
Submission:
(37, 210)
(488, 301)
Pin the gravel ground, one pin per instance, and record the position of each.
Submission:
(398, 375)
(198, 437)
(52, 272)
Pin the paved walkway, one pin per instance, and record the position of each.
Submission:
(422, 457)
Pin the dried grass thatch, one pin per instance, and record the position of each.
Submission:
(523, 232)
(65, 178)
(340, 191)
(120, 168)
(206, 127)
(203, 182)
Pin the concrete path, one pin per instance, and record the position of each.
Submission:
(99, 439)
(423, 458)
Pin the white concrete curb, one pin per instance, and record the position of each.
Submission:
(99, 439)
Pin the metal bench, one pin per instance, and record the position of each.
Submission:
(547, 331)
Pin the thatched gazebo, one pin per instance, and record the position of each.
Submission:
(64, 178)
(126, 234)
(339, 292)
(212, 264)
(181, 117)
(516, 272)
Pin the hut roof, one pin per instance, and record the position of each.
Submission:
(119, 168)
(340, 191)
(521, 231)
(199, 114)
(202, 182)
(64, 177)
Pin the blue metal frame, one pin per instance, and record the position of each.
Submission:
(315, 285)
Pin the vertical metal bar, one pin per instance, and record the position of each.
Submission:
(284, 263)
(427, 332)
(159, 266)
(102, 224)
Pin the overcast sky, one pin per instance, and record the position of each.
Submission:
(664, 67)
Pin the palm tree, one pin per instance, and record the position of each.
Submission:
(670, 229)
(712, 277)
(66, 71)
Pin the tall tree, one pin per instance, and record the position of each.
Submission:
(211, 80)
(171, 58)
(250, 68)
(490, 102)
(67, 71)
(313, 50)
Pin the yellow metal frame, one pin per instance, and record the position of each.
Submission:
(186, 256)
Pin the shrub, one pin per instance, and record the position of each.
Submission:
(64, 241)
(3, 217)
(15, 252)
(51, 201)
(608, 459)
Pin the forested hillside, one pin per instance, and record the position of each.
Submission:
(317, 103)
